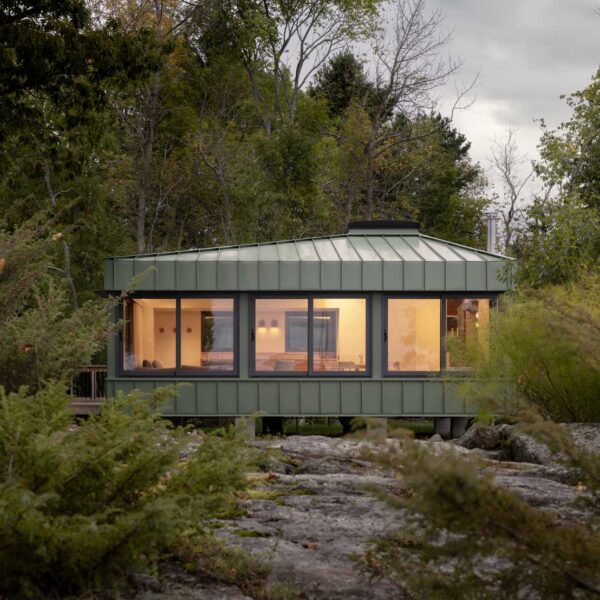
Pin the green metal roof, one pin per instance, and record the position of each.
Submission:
(364, 259)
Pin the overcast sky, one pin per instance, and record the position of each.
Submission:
(529, 53)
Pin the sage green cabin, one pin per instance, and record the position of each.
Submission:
(345, 325)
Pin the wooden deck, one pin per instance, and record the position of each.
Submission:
(88, 389)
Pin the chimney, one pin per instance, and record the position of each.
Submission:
(492, 238)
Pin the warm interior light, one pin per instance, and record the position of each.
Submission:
(262, 324)
(274, 323)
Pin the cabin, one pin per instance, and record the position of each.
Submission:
(342, 325)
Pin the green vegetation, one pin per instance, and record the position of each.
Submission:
(170, 125)
(83, 505)
(204, 555)
(542, 351)
(469, 538)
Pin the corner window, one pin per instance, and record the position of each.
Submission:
(467, 321)
(204, 340)
(413, 335)
(150, 335)
(306, 335)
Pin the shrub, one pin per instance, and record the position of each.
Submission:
(542, 350)
(468, 538)
(83, 505)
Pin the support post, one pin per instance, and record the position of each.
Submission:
(459, 426)
(442, 425)
(248, 424)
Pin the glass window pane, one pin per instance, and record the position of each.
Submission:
(467, 320)
(149, 335)
(339, 334)
(207, 334)
(413, 330)
(281, 333)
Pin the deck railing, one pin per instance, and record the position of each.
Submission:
(89, 384)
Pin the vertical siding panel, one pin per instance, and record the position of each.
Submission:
(350, 398)
(371, 397)
(309, 397)
(433, 397)
(412, 397)
(108, 266)
(330, 397)
(248, 397)
(289, 398)
(207, 275)
(124, 273)
(207, 398)
(186, 399)
(227, 397)
(248, 273)
(268, 397)
(392, 398)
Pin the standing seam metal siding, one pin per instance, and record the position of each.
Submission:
(305, 397)
(377, 262)
(406, 262)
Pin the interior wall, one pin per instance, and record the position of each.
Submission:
(271, 340)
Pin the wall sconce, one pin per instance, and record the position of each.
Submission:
(262, 324)
(189, 330)
(274, 323)
(161, 330)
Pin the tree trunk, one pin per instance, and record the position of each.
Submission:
(148, 138)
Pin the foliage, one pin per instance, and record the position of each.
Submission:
(167, 125)
(41, 337)
(541, 351)
(468, 538)
(561, 240)
(82, 505)
(204, 555)
(560, 236)
(571, 155)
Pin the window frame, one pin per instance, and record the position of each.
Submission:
(442, 297)
(310, 373)
(384, 337)
(178, 372)
(493, 297)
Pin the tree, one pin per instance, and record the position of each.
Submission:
(514, 176)
(341, 82)
(570, 155)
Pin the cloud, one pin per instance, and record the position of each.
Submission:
(530, 52)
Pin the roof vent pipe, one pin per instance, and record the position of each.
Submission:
(492, 237)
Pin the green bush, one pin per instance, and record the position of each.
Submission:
(463, 536)
(543, 350)
(83, 505)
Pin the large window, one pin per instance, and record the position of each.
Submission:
(150, 335)
(467, 321)
(337, 342)
(281, 335)
(206, 336)
(340, 335)
(413, 335)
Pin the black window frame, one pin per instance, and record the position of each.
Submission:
(493, 297)
(310, 373)
(442, 297)
(178, 371)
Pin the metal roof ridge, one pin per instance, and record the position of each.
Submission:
(430, 237)
(276, 243)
